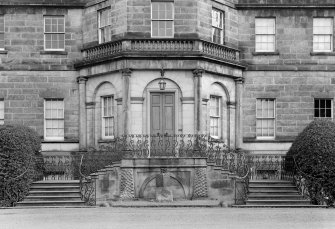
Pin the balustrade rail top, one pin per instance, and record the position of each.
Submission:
(157, 39)
(181, 47)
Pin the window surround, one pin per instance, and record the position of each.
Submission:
(61, 118)
(260, 117)
(221, 29)
(267, 34)
(104, 28)
(330, 50)
(318, 109)
(104, 117)
(162, 20)
(58, 33)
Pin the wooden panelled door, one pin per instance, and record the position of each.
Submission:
(162, 123)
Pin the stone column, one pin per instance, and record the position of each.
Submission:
(82, 113)
(198, 101)
(238, 113)
(126, 73)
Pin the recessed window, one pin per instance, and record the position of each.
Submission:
(107, 117)
(323, 108)
(2, 32)
(215, 116)
(265, 34)
(217, 26)
(265, 118)
(54, 33)
(162, 15)
(54, 119)
(322, 34)
(104, 17)
(2, 111)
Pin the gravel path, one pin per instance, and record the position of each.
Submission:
(155, 218)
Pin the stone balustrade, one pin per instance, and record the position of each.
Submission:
(159, 47)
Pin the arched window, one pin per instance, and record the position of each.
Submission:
(105, 112)
(218, 118)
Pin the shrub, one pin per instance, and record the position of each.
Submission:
(19, 148)
(314, 154)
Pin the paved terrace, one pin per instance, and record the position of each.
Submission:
(156, 218)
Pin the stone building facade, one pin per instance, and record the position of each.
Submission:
(250, 73)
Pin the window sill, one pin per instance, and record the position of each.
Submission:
(106, 140)
(216, 140)
(53, 52)
(59, 141)
(322, 53)
(265, 53)
(3, 51)
(269, 140)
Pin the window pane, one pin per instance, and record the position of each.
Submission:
(323, 108)
(265, 113)
(162, 19)
(54, 123)
(155, 28)
(54, 29)
(2, 111)
(217, 18)
(2, 24)
(265, 26)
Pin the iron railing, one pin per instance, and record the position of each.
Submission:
(245, 166)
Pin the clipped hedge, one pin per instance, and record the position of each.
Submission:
(19, 148)
(314, 154)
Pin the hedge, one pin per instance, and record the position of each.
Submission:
(19, 149)
(314, 154)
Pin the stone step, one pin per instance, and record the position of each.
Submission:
(272, 189)
(55, 193)
(271, 181)
(50, 203)
(52, 198)
(56, 183)
(274, 197)
(279, 206)
(277, 202)
(55, 188)
(275, 192)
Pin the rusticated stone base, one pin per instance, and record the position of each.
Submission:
(200, 183)
(127, 184)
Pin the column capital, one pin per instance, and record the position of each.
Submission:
(231, 104)
(81, 79)
(239, 80)
(198, 72)
(126, 72)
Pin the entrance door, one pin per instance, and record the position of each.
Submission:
(162, 123)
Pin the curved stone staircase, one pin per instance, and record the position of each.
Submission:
(53, 193)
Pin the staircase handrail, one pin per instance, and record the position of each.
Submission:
(300, 181)
(245, 188)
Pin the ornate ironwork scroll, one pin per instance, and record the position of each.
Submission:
(88, 191)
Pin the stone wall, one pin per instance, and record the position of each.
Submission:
(24, 39)
(294, 93)
(24, 93)
(293, 75)
(294, 41)
(183, 178)
(132, 18)
(29, 74)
